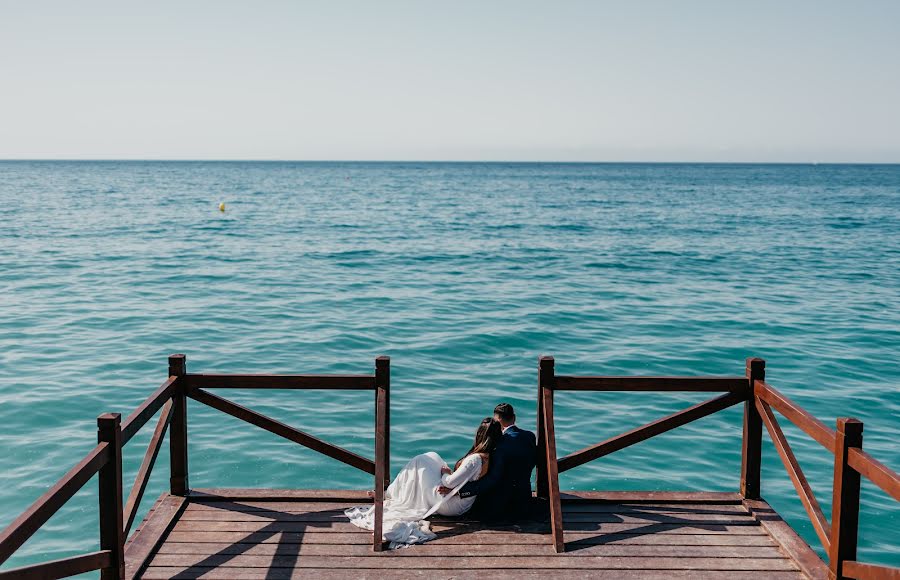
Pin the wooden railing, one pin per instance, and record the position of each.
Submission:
(735, 391)
(117, 517)
(839, 538)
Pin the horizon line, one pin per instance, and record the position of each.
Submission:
(445, 161)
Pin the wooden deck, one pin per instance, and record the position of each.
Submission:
(275, 534)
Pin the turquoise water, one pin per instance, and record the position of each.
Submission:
(463, 274)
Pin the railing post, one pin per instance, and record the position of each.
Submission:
(541, 475)
(383, 378)
(548, 383)
(845, 503)
(751, 449)
(178, 445)
(112, 529)
(382, 473)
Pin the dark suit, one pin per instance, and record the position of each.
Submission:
(505, 491)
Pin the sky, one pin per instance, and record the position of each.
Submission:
(718, 80)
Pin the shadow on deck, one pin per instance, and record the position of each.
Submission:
(280, 534)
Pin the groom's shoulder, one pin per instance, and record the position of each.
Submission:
(523, 433)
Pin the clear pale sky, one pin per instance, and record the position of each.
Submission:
(714, 80)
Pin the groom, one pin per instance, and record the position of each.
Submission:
(504, 493)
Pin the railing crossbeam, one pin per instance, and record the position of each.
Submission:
(24, 526)
(283, 430)
(61, 568)
(649, 430)
(143, 474)
(807, 498)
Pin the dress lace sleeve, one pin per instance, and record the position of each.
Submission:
(469, 468)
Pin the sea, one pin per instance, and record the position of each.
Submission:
(462, 273)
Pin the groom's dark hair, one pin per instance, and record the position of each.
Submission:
(506, 412)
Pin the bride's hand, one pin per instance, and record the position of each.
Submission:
(446, 470)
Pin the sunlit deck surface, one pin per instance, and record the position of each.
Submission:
(275, 534)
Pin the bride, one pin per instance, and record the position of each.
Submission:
(414, 495)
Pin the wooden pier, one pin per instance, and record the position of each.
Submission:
(274, 534)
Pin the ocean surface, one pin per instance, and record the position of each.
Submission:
(463, 274)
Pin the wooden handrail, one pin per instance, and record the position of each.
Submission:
(147, 409)
(801, 484)
(796, 415)
(61, 568)
(331, 382)
(861, 571)
(24, 526)
(283, 430)
(649, 430)
(876, 472)
(656, 384)
(143, 474)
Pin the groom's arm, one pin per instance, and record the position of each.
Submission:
(489, 481)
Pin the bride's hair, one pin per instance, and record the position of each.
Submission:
(486, 438)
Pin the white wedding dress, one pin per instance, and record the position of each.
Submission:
(413, 496)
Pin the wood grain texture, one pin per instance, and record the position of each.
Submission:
(495, 550)
(796, 415)
(158, 573)
(146, 410)
(556, 516)
(751, 440)
(61, 568)
(213, 494)
(284, 538)
(472, 562)
(151, 533)
(567, 507)
(320, 382)
(875, 471)
(487, 537)
(785, 536)
(798, 479)
(143, 474)
(863, 571)
(112, 532)
(439, 526)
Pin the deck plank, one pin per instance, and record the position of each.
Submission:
(159, 573)
(535, 528)
(634, 517)
(481, 538)
(142, 545)
(391, 561)
(577, 507)
(433, 549)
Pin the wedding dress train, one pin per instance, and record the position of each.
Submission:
(413, 496)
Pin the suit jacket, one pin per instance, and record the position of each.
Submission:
(505, 491)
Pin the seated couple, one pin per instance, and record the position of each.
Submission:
(492, 482)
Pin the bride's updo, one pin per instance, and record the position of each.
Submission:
(486, 438)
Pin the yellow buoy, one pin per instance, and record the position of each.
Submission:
(222, 206)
